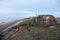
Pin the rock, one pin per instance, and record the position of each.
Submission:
(52, 26)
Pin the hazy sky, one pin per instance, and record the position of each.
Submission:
(12, 9)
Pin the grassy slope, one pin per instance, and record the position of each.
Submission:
(38, 33)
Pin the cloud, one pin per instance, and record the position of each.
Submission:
(4, 7)
(29, 7)
(42, 5)
(6, 10)
(24, 11)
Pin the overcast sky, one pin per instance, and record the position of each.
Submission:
(12, 9)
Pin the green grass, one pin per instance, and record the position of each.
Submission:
(39, 33)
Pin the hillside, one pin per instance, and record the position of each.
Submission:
(36, 32)
(6, 24)
(29, 30)
(58, 20)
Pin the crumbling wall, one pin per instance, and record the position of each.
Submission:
(46, 20)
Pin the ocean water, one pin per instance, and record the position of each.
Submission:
(13, 16)
(9, 17)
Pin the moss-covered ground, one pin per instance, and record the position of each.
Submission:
(37, 33)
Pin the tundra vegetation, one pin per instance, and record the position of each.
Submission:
(36, 30)
(37, 33)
